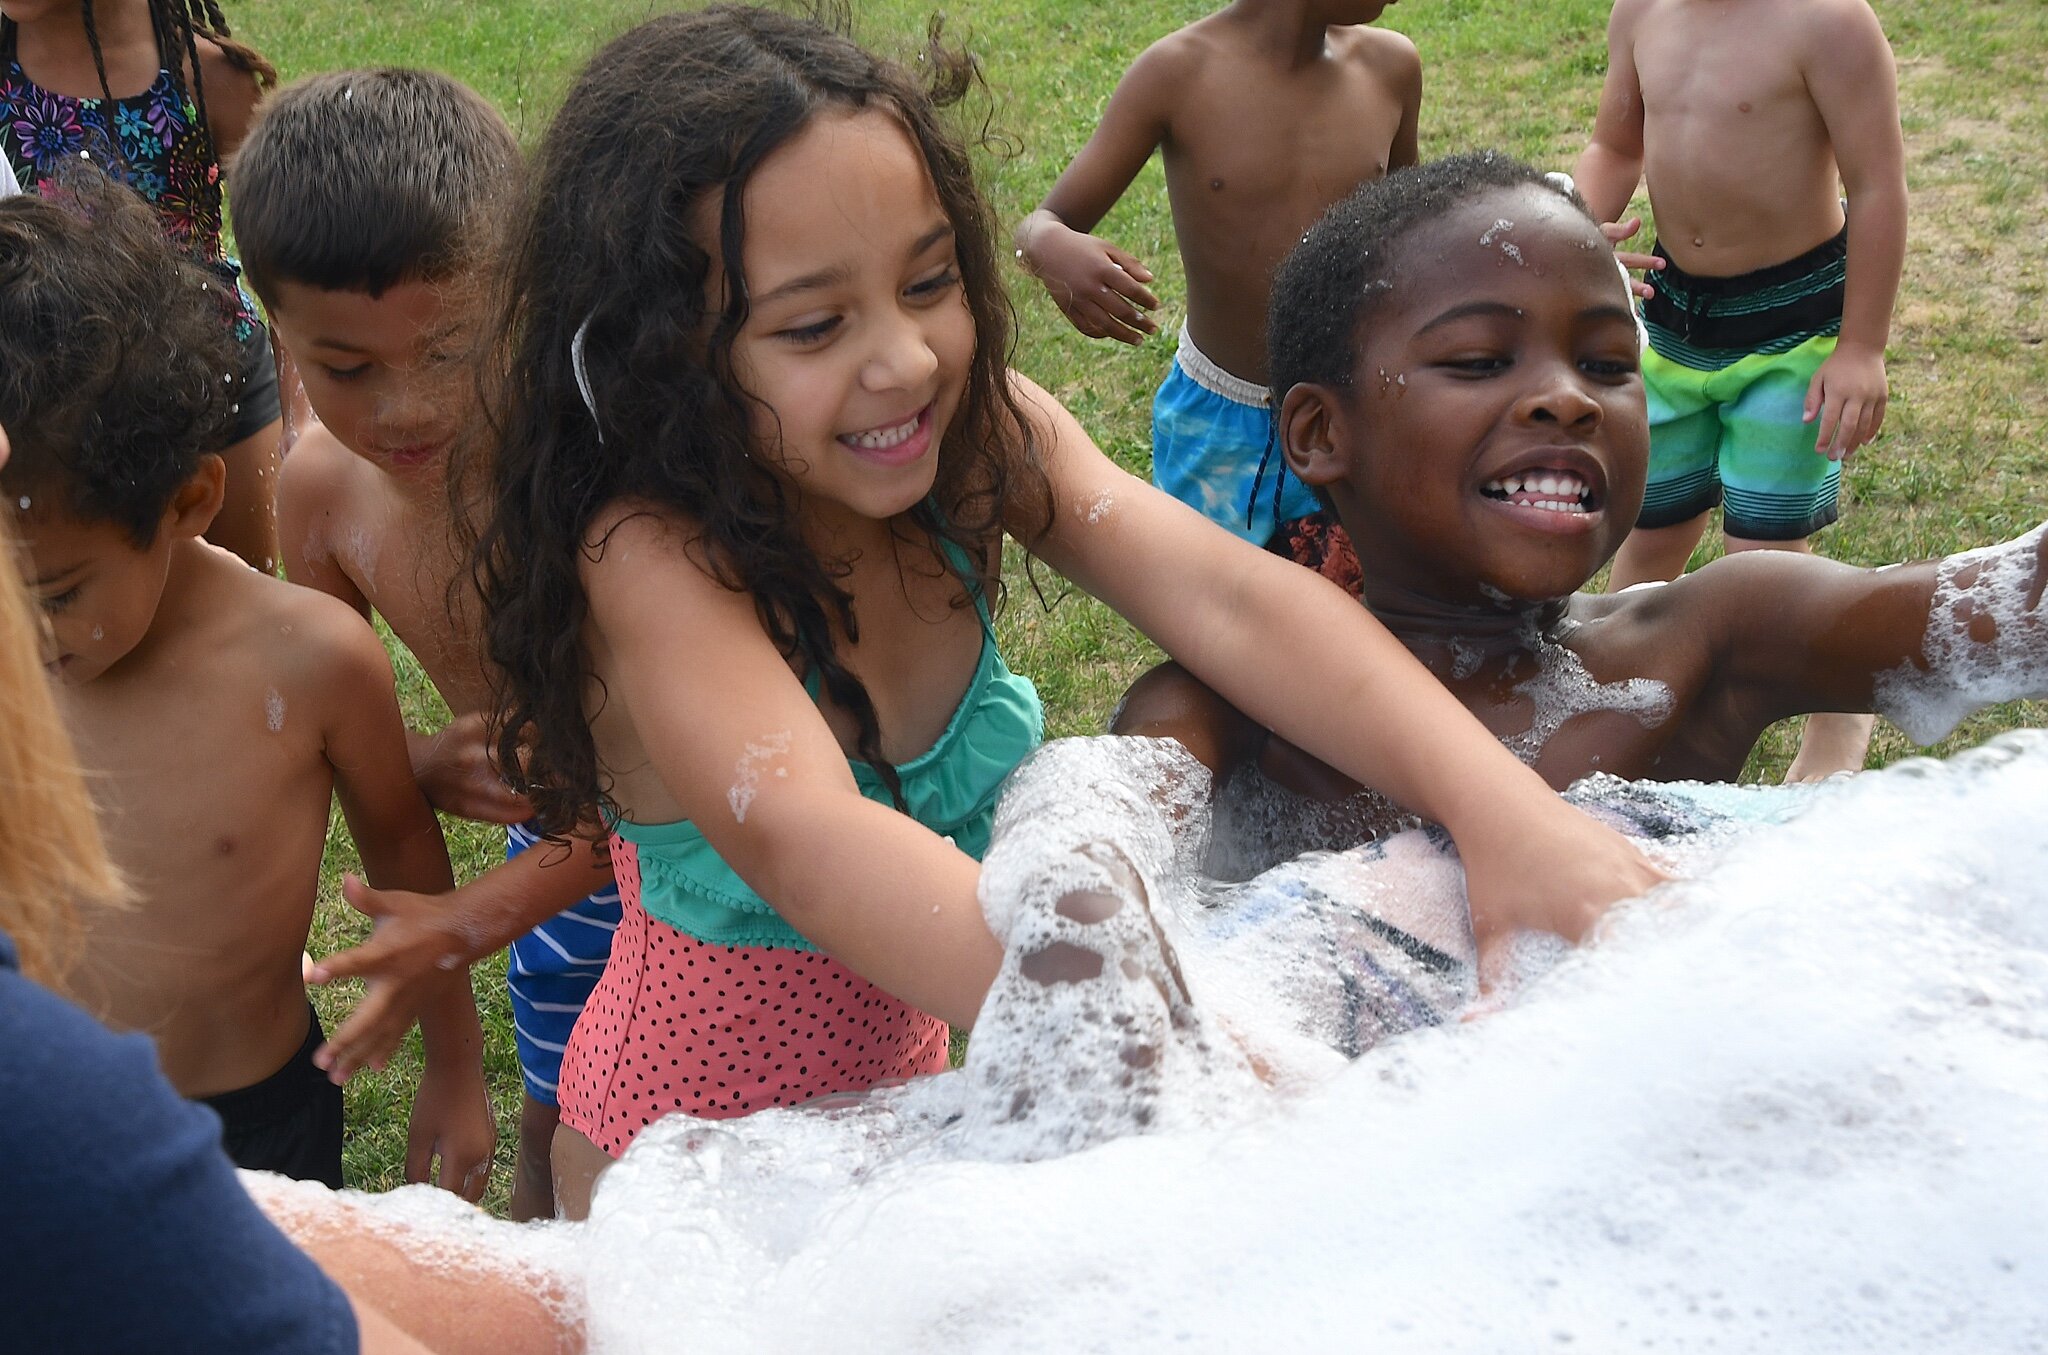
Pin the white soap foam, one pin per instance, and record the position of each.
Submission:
(1986, 640)
(746, 773)
(1561, 689)
(1798, 1102)
(273, 711)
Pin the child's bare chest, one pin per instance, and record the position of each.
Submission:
(213, 789)
(1738, 72)
(917, 662)
(1249, 150)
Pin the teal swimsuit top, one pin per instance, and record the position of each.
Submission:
(950, 788)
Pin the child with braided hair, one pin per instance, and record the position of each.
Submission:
(158, 93)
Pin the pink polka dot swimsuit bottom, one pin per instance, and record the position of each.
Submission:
(682, 1025)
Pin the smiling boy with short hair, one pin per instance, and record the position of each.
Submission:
(1476, 420)
(368, 242)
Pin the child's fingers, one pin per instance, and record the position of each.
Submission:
(1816, 396)
(1123, 314)
(1830, 420)
(355, 963)
(460, 1175)
(1110, 326)
(366, 1039)
(419, 1157)
(1618, 231)
(357, 893)
(1129, 289)
(1848, 419)
(1130, 264)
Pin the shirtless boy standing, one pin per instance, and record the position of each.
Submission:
(1266, 112)
(217, 711)
(365, 245)
(1767, 333)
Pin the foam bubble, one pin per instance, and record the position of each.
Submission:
(746, 773)
(1799, 1102)
(1561, 689)
(1801, 1105)
(273, 711)
(1986, 640)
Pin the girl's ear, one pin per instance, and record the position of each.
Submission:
(1314, 422)
(193, 507)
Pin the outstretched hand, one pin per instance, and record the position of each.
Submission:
(412, 945)
(1098, 287)
(1618, 232)
(1848, 395)
(459, 776)
(1561, 878)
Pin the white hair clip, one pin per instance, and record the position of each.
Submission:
(583, 374)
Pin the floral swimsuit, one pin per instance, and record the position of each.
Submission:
(154, 142)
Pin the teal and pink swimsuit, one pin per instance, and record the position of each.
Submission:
(712, 1005)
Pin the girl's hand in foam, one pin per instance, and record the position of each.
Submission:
(412, 947)
(1551, 869)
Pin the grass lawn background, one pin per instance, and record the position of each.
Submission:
(1961, 462)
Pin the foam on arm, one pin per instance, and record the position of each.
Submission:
(1986, 640)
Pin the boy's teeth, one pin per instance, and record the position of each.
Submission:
(877, 439)
(1559, 491)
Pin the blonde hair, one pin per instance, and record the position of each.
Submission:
(52, 860)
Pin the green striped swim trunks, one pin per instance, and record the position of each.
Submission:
(1726, 377)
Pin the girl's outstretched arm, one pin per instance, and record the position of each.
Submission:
(1293, 652)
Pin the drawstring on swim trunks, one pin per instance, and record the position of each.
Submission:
(1251, 502)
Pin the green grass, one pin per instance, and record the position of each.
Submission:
(1962, 461)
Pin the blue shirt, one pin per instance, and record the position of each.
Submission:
(124, 1227)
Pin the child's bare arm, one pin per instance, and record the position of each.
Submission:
(231, 97)
(422, 934)
(1612, 163)
(1171, 703)
(1405, 77)
(1100, 288)
(400, 844)
(312, 516)
(1854, 84)
(1349, 693)
(1922, 644)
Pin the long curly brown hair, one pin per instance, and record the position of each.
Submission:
(678, 112)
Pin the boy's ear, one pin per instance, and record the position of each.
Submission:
(193, 508)
(1313, 426)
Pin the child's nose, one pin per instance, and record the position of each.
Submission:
(1560, 397)
(902, 356)
(406, 402)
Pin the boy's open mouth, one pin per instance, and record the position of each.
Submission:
(1546, 489)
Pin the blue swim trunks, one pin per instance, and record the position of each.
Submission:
(1211, 433)
(550, 974)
